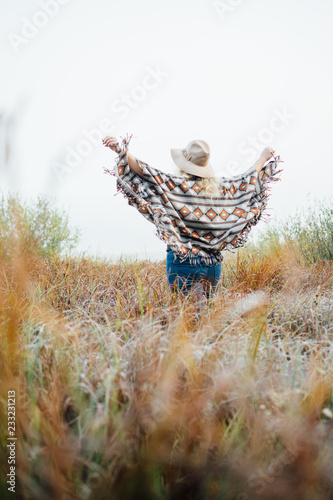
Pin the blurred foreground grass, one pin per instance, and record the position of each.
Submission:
(124, 392)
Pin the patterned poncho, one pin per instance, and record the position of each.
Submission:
(190, 222)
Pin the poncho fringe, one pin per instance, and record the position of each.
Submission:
(168, 219)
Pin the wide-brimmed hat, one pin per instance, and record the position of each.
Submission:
(194, 159)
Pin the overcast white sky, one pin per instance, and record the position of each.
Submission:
(238, 74)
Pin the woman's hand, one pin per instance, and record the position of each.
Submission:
(267, 154)
(112, 143)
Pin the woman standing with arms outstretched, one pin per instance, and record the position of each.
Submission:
(196, 213)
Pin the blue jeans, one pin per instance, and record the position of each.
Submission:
(201, 280)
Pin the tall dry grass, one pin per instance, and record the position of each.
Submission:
(308, 233)
(124, 391)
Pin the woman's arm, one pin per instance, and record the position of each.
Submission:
(112, 143)
(263, 158)
(134, 165)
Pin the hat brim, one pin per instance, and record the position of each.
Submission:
(189, 167)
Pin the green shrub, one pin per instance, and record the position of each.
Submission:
(36, 227)
(309, 232)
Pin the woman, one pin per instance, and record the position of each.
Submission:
(195, 213)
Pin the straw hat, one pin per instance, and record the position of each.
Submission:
(194, 159)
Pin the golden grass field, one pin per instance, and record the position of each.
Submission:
(124, 392)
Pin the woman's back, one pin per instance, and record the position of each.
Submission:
(198, 217)
(193, 223)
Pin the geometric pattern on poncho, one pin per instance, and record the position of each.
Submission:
(190, 222)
